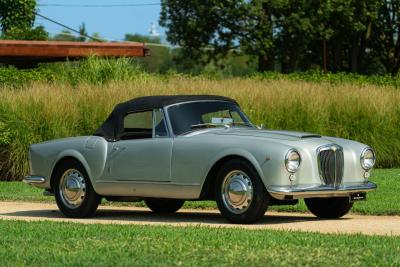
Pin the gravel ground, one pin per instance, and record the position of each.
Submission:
(349, 224)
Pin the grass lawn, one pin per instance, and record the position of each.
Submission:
(72, 244)
(383, 201)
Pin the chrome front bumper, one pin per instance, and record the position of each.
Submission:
(307, 191)
(33, 179)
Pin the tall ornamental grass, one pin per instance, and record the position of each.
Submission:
(44, 111)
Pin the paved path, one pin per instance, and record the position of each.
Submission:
(368, 225)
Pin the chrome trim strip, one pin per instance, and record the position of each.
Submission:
(140, 182)
(302, 191)
(34, 179)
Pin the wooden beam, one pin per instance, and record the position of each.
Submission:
(54, 49)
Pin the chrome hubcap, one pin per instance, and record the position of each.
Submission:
(237, 191)
(72, 188)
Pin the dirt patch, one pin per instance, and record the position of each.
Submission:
(350, 224)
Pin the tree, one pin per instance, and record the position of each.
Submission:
(17, 18)
(386, 45)
(209, 31)
(160, 59)
(68, 36)
(65, 36)
(142, 38)
(292, 34)
(17, 14)
(96, 37)
(82, 32)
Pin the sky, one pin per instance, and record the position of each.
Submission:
(111, 22)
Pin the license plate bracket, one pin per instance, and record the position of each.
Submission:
(358, 196)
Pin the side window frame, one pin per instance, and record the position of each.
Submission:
(164, 119)
(153, 123)
(140, 111)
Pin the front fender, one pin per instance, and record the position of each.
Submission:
(236, 152)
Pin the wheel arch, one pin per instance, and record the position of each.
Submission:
(207, 189)
(69, 155)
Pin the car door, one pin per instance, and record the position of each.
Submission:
(144, 152)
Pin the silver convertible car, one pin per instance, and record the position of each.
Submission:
(168, 149)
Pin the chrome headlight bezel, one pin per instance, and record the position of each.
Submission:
(290, 163)
(367, 152)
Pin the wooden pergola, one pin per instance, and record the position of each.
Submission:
(29, 53)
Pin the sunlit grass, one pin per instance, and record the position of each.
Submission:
(71, 244)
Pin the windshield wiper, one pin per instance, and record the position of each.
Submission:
(234, 123)
(205, 125)
(213, 125)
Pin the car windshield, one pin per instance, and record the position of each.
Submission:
(188, 117)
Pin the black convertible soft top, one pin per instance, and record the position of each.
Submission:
(112, 128)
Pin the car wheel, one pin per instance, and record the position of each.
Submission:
(240, 194)
(159, 205)
(334, 207)
(73, 190)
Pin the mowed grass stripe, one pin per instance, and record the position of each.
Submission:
(59, 244)
(383, 201)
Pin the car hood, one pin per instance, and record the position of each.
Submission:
(270, 134)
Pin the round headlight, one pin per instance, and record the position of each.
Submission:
(292, 160)
(367, 159)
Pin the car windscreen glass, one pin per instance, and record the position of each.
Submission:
(188, 117)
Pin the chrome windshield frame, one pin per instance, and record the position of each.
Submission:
(167, 115)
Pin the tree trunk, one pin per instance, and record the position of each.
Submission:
(265, 58)
(325, 56)
(396, 59)
(354, 52)
(265, 63)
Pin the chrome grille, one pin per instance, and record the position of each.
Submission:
(330, 160)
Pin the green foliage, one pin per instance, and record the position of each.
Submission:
(6, 135)
(66, 36)
(331, 78)
(12, 77)
(385, 43)
(196, 26)
(17, 14)
(91, 70)
(17, 18)
(38, 33)
(142, 38)
(82, 32)
(290, 35)
(96, 71)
